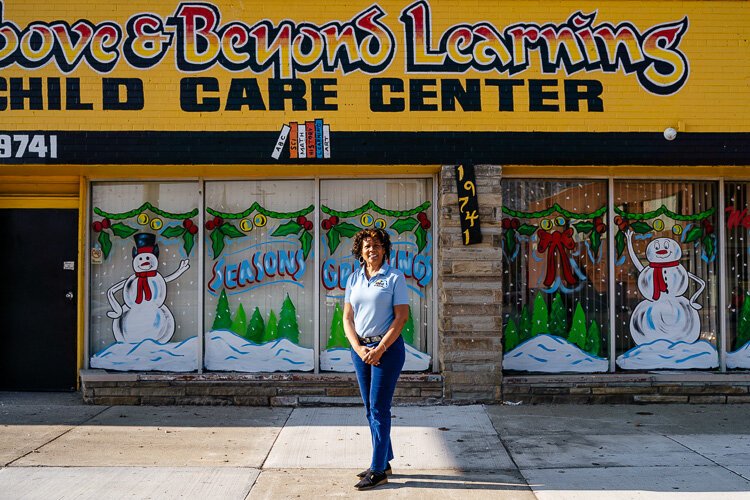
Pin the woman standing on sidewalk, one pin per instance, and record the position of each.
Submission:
(375, 310)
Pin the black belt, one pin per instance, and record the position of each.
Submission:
(370, 340)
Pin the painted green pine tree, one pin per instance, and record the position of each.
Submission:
(272, 328)
(223, 319)
(743, 324)
(408, 331)
(256, 328)
(540, 317)
(510, 337)
(524, 324)
(558, 318)
(577, 333)
(239, 323)
(593, 339)
(337, 338)
(288, 327)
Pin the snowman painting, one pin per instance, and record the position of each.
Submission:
(665, 314)
(143, 314)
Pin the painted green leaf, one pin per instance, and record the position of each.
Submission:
(122, 230)
(334, 238)
(230, 230)
(105, 242)
(584, 227)
(346, 229)
(306, 240)
(619, 243)
(189, 241)
(290, 227)
(217, 243)
(173, 231)
(510, 241)
(694, 234)
(403, 225)
(708, 245)
(527, 229)
(421, 235)
(596, 240)
(640, 227)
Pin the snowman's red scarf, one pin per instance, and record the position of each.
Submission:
(659, 284)
(144, 291)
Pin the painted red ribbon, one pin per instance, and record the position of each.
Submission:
(557, 243)
(659, 284)
(144, 291)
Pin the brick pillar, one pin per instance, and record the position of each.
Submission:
(470, 292)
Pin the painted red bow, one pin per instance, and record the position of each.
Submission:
(659, 284)
(144, 290)
(558, 243)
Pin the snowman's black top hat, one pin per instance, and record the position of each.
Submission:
(145, 243)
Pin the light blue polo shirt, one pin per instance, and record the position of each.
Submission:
(372, 300)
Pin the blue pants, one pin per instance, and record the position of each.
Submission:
(377, 384)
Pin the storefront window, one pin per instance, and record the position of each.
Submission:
(259, 271)
(144, 307)
(402, 207)
(737, 220)
(555, 287)
(665, 275)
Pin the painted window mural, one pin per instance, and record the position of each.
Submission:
(259, 279)
(737, 220)
(555, 307)
(403, 207)
(665, 275)
(144, 278)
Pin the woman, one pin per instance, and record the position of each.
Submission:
(375, 310)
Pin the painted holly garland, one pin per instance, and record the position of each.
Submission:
(407, 220)
(703, 231)
(220, 226)
(155, 220)
(555, 243)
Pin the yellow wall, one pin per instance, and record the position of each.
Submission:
(714, 97)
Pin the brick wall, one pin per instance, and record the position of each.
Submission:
(469, 292)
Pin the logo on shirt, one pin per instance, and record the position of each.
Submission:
(381, 283)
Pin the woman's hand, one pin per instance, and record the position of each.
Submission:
(373, 355)
(362, 351)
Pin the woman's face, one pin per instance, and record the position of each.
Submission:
(373, 252)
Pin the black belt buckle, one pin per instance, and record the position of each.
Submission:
(370, 340)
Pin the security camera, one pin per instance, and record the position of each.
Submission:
(670, 134)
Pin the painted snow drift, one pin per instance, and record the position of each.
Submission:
(149, 355)
(739, 358)
(339, 359)
(552, 354)
(227, 351)
(663, 354)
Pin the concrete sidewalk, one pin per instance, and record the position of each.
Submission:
(53, 446)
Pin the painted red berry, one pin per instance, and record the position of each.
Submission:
(334, 220)
(210, 225)
(506, 224)
(709, 228)
(106, 223)
(421, 216)
(326, 224)
(218, 221)
(187, 223)
(618, 220)
(426, 224)
(97, 226)
(308, 225)
(193, 229)
(515, 223)
(601, 228)
(301, 220)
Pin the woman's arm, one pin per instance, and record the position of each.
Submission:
(401, 314)
(351, 332)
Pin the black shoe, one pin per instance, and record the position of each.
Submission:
(371, 480)
(388, 471)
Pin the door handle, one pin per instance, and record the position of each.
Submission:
(69, 295)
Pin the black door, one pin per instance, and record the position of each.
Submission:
(38, 293)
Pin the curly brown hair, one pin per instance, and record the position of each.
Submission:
(376, 234)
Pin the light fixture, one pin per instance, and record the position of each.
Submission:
(670, 133)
